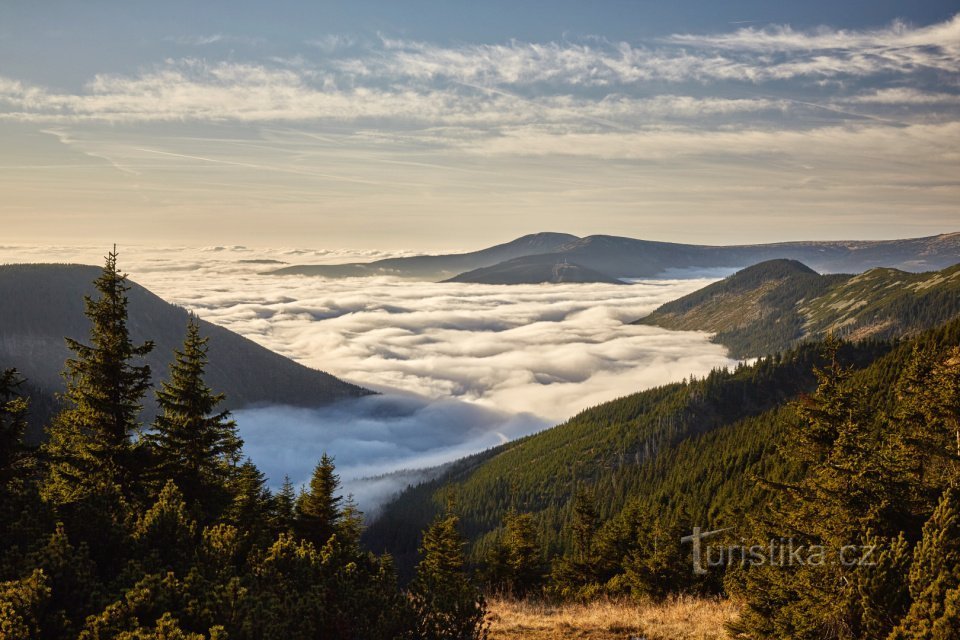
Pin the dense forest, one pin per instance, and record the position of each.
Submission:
(829, 445)
(116, 529)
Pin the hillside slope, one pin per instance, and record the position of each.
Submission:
(694, 448)
(774, 305)
(43, 303)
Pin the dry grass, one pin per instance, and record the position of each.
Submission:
(681, 618)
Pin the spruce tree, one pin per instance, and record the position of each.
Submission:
(586, 519)
(318, 508)
(284, 507)
(884, 596)
(90, 446)
(13, 410)
(250, 509)
(193, 444)
(935, 571)
(447, 605)
(522, 554)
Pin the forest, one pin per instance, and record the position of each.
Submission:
(829, 445)
(116, 529)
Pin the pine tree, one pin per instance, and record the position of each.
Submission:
(657, 566)
(926, 425)
(522, 554)
(318, 509)
(250, 508)
(935, 571)
(586, 519)
(193, 444)
(166, 533)
(285, 507)
(90, 444)
(884, 596)
(13, 410)
(447, 605)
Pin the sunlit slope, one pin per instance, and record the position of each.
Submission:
(774, 305)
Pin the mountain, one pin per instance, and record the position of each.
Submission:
(693, 449)
(43, 303)
(617, 257)
(437, 266)
(776, 304)
(534, 270)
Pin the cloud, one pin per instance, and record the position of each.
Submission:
(462, 367)
(783, 38)
(904, 96)
(377, 441)
(213, 38)
(482, 85)
(195, 90)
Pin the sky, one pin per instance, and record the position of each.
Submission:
(438, 125)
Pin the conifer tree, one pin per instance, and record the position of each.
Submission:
(884, 596)
(935, 571)
(585, 523)
(13, 409)
(250, 508)
(447, 605)
(926, 424)
(318, 508)
(657, 566)
(285, 507)
(22, 605)
(522, 554)
(193, 444)
(166, 532)
(90, 445)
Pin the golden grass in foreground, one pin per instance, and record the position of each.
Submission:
(681, 618)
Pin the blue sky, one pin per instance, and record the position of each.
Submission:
(452, 124)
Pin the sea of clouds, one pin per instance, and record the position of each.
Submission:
(460, 367)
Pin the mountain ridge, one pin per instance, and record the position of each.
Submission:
(616, 257)
(436, 266)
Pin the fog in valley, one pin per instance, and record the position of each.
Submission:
(460, 367)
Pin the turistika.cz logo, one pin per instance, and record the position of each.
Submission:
(778, 552)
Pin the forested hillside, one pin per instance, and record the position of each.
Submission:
(116, 529)
(830, 442)
(42, 303)
(775, 305)
(610, 450)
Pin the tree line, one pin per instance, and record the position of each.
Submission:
(115, 529)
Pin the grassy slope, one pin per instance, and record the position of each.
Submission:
(775, 305)
(681, 618)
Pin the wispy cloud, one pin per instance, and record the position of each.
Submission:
(444, 85)
(686, 125)
(213, 38)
